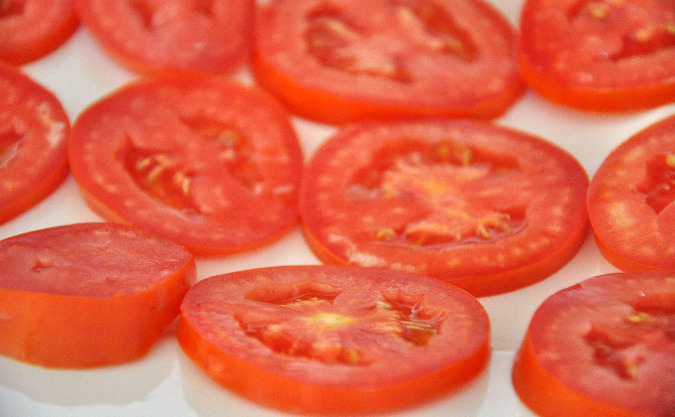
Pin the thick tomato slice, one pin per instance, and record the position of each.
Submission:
(34, 130)
(602, 348)
(202, 161)
(30, 29)
(168, 35)
(600, 55)
(631, 201)
(481, 206)
(88, 294)
(326, 340)
(339, 61)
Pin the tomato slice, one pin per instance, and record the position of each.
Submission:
(168, 35)
(481, 206)
(327, 340)
(88, 294)
(339, 61)
(31, 29)
(34, 130)
(604, 347)
(600, 55)
(202, 161)
(631, 200)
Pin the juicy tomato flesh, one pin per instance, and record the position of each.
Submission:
(631, 200)
(333, 339)
(428, 197)
(88, 294)
(604, 347)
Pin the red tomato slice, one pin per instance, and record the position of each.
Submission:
(602, 348)
(631, 201)
(327, 340)
(158, 35)
(483, 207)
(339, 61)
(202, 161)
(600, 55)
(88, 294)
(34, 130)
(31, 29)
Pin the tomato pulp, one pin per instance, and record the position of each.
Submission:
(483, 207)
(88, 294)
(334, 340)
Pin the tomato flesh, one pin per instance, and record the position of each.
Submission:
(334, 340)
(604, 347)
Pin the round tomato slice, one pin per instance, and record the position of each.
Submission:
(631, 201)
(600, 55)
(339, 61)
(88, 294)
(167, 35)
(484, 207)
(334, 340)
(31, 29)
(34, 130)
(202, 161)
(603, 348)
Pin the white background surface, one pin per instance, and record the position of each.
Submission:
(165, 383)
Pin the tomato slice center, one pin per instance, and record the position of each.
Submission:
(9, 146)
(659, 187)
(155, 14)
(11, 8)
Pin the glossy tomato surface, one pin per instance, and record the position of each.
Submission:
(203, 161)
(88, 294)
(481, 206)
(34, 130)
(31, 29)
(600, 55)
(631, 200)
(604, 347)
(340, 61)
(327, 340)
(168, 35)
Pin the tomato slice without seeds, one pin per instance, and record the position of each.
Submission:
(319, 339)
(604, 347)
(169, 35)
(601, 55)
(34, 130)
(339, 61)
(484, 207)
(202, 161)
(88, 294)
(31, 29)
(631, 201)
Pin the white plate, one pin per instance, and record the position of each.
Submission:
(166, 383)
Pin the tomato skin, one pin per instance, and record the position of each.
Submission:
(562, 369)
(150, 36)
(210, 335)
(93, 307)
(630, 210)
(203, 161)
(586, 54)
(31, 29)
(282, 64)
(416, 209)
(34, 129)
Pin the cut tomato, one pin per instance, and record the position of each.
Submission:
(168, 35)
(34, 130)
(202, 161)
(631, 201)
(88, 294)
(340, 61)
(481, 206)
(600, 55)
(327, 340)
(602, 348)
(31, 29)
